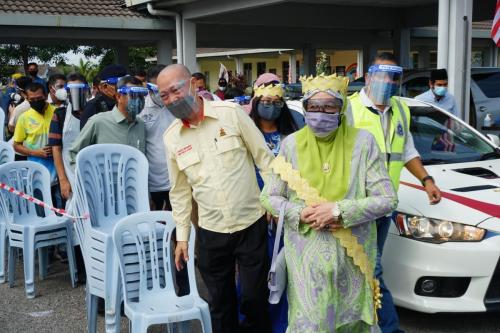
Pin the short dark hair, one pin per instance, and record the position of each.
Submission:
(32, 64)
(140, 72)
(199, 76)
(23, 82)
(438, 74)
(154, 71)
(77, 77)
(128, 79)
(35, 86)
(385, 56)
(54, 77)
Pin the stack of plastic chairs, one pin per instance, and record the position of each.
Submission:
(6, 155)
(32, 228)
(111, 183)
(156, 301)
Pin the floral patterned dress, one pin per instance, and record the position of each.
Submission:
(326, 291)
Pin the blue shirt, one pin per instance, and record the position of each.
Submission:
(273, 141)
(447, 102)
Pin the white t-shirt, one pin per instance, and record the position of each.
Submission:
(18, 110)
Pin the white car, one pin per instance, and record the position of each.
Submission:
(445, 258)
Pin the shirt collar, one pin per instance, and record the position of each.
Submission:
(368, 102)
(117, 115)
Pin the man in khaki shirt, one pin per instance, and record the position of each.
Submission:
(211, 149)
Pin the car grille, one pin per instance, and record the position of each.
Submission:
(492, 297)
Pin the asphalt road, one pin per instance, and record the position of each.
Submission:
(60, 308)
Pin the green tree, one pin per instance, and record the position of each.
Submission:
(87, 69)
(322, 64)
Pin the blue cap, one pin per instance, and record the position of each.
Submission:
(112, 71)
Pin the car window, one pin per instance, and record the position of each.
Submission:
(415, 87)
(489, 83)
(441, 139)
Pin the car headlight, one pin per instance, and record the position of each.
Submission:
(437, 231)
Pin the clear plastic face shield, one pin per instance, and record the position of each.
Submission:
(154, 93)
(383, 82)
(135, 99)
(78, 94)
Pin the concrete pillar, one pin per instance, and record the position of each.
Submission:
(369, 52)
(495, 61)
(122, 55)
(359, 61)
(402, 46)
(239, 65)
(292, 63)
(443, 29)
(424, 57)
(309, 60)
(164, 51)
(189, 45)
(459, 54)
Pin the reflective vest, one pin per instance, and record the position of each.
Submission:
(359, 116)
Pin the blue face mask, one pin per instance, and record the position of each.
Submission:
(268, 112)
(440, 91)
(135, 106)
(381, 92)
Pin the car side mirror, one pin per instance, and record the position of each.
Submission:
(494, 139)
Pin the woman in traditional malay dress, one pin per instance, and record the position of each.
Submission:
(333, 185)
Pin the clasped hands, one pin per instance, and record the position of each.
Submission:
(320, 217)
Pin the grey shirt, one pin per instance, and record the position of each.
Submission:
(156, 120)
(110, 127)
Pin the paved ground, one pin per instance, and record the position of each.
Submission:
(59, 308)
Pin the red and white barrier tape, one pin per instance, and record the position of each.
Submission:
(40, 203)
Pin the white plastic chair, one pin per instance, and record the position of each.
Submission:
(156, 302)
(29, 229)
(6, 155)
(111, 183)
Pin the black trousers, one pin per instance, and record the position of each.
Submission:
(218, 255)
(161, 200)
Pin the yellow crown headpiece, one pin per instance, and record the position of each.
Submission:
(269, 90)
(323, 82)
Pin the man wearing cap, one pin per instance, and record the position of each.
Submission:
(105, 98)
(438, 94)
(120, 125)
(211, 151)
(377, 109)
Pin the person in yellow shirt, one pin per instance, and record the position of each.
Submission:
(211, 150)
(32, 129)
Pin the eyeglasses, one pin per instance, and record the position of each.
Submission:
(323, 105)
(278, 104)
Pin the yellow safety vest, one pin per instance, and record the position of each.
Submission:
(359, 116)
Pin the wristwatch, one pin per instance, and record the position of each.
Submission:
(426, 178)
(336, 211)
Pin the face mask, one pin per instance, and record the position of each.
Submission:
(135, 106)
(440, 91)
(33, 73)
(222, 88)
(321, 123)
(380, 92)
(38, 106)
(183, 107)
(61, 94)
(268, 112)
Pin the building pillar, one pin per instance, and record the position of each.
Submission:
(369, 52)
(292, 63)
(459, 54)
(122, 55)
(495, 62)
(402, 39)
(443, 37)
(164, 51)
(360, 63)
(424, 57)
(189, 45)
(309, 56)
(239, 65)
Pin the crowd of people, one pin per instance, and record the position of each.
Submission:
(296, 204)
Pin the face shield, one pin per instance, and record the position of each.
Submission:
(384, 81)
(135, 96)
(78, 94)
(154, 93)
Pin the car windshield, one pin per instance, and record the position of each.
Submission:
(440, 139)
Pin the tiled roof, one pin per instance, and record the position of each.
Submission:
(101, 8)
